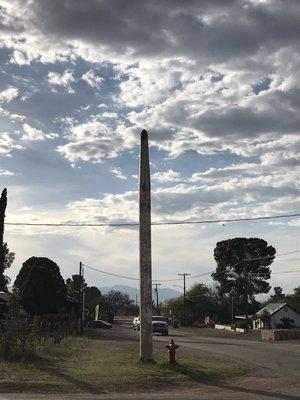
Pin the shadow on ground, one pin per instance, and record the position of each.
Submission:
(201, 377)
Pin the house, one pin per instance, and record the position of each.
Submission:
(276, 315)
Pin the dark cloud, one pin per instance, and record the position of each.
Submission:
(246, 122)
(207, 30)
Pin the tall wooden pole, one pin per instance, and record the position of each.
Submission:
(184, 301)
(80, 297)
(146, 345)
(3, 204)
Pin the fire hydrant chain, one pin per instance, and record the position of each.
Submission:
(172, 351)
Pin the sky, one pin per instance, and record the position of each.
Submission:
(216, 83)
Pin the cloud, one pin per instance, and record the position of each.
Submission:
(232, 198)
(209, 75)
(7, 144)
(92, 79)
(9, 94)
(6, 172)
(95, 141)
(34, 134)
(166, 176)
(111, 208)
(65, 79)
(232, 28)
(111, 115)
(119, 173)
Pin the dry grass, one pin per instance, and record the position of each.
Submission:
(99, 366)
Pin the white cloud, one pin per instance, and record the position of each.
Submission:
(111, 115)
(19, 58)
(7, 144)
(65, 79)
(119, 173)
(6, 172)
(92, 79)
(95, 141)
(34, 134)
(9, 94)
(111, 208)
(234, 197)
(193, 97)
(166, 176)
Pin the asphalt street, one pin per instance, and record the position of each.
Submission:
(282, 357)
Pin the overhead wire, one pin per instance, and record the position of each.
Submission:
(249, 259)
(158, 223)
(110, 273)
(192, 276)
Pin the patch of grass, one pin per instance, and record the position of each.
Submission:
(97, 366)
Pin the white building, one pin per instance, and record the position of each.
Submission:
(273, 315)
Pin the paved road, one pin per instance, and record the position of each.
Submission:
(282, 357)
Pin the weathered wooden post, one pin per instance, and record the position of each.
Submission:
(3, 204)
(146, 345)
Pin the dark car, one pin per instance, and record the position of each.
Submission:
(99, 324)
(160, 325)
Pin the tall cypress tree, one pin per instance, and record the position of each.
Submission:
(3, 204)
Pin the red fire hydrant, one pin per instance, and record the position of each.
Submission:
(172, 351)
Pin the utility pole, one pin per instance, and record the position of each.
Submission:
(246, 290)
(184, 287)
(146, 343)
(232, 315)
(80, 298)
(3, 205)
(156, 293)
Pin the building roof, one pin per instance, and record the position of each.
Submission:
(272, 308)
(243, 316)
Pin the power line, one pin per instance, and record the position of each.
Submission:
(109, 273)
(170, 280)
(159, 223)
(249, 259)
(286, 272)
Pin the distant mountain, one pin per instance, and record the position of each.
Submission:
(163, 293)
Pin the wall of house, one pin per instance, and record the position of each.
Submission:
(275, 319)
(284, 312)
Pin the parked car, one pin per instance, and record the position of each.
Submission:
(99, 324)
(159, 324)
